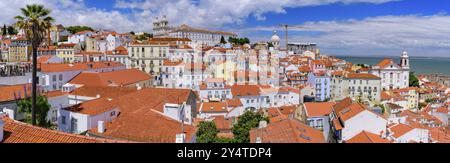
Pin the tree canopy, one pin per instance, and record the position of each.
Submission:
(222, 40)
(207, 132)
(42, 108)
(144, 36)
(4, 32)
(239, 41)
(75, 29)
(246, 122)
(413, 81)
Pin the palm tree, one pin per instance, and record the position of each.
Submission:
(34, 21)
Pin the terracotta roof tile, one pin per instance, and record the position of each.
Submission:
(400, 129)
(12, 92)
(361, 76)
(213, 107)
(287, 131)
(60, 67)
(19, 132)
(245, 90)
(113, 78)
(93, 107)
(315, 109)
(367, 137)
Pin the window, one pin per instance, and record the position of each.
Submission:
(311, 122)
(113, 113)
(320, 123)
(74, 125)
(54, 78)
(60, 77)
(63, 120)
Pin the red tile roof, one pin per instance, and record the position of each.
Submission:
(287, 131)
(223, 123)
(234, 102)
(367, 137)
(361, 76)
(385, 62)
(315, 109)
(60, 67)
(110, 92)
(400, 130)
(151, 127)
(245, 90)
(213, 107)
(168, 62)
(19, 132)
(114, 78)
(7, 92)
(141, 118)
(94, 107)
(351, 111)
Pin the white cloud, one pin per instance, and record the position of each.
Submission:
(200, 13)
(73, 12)
(385, 35)
(216, 13)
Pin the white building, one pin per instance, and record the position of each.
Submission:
(82, 117)
(79, 37)
(393, 75)
(54, 76)
(207, 37)
(402, 133)
(215, 89)
(348, 119)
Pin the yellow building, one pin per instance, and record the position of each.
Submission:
(20, 50)
(148, 56)
(411, 94)
(66, 52)
(225, 70)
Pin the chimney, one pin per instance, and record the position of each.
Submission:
(262, 124)
(98, 96)
(101, 127)
(1, 128)
(180, 138)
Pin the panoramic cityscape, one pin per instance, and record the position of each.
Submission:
(148, 71)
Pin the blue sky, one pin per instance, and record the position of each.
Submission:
(340, 27)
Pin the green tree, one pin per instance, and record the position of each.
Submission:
(35, 21)
(144, 36)
(132, 32)
(222, 40)
(246, 122)
(75, 29)
(269, 44)
(42, 108)
(207, 132)
(422, 105)
(12, 30)
(239, 41)
(4, 32)
(413, 81)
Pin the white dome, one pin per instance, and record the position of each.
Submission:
(275, 37)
